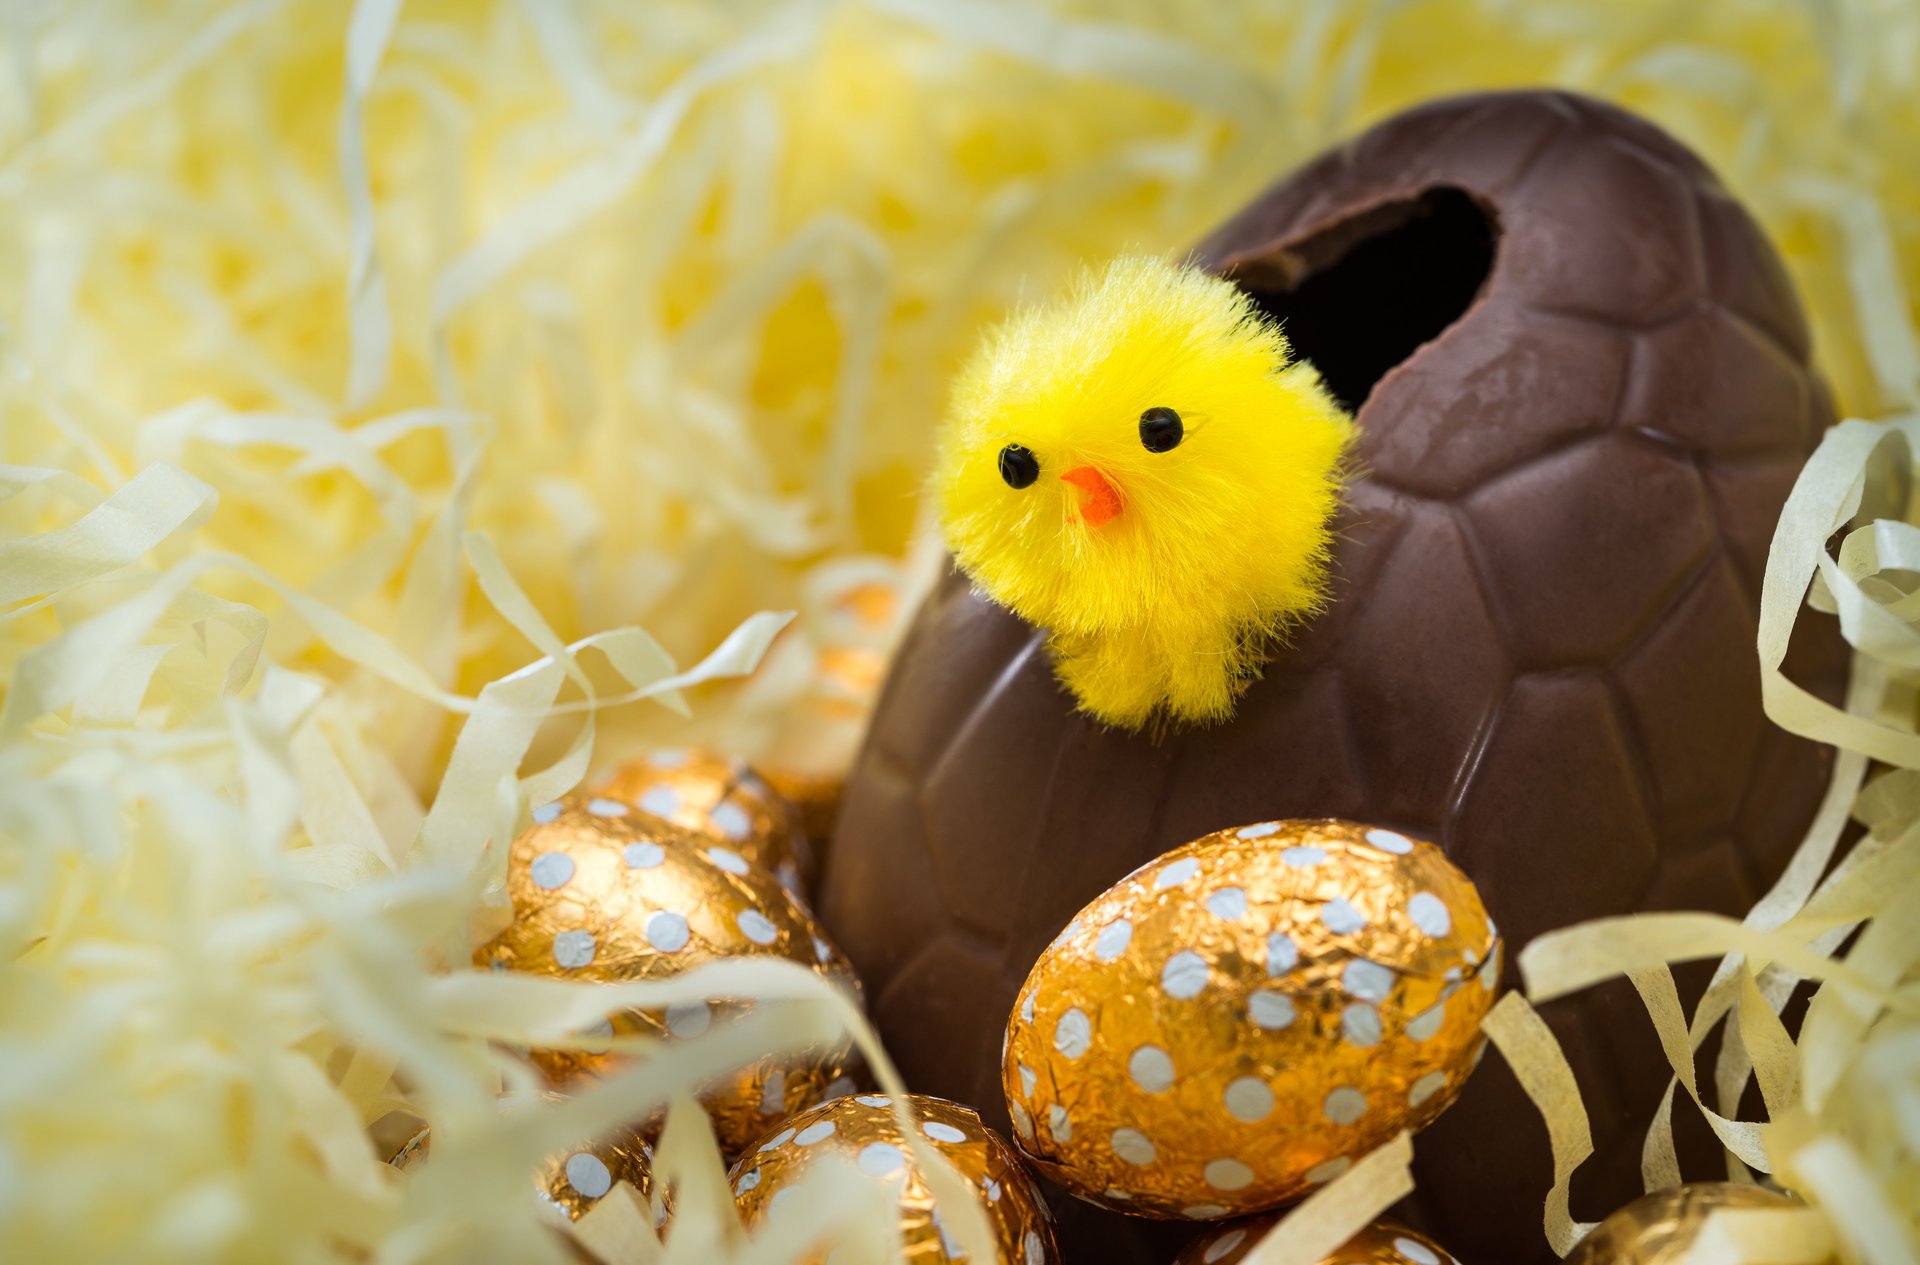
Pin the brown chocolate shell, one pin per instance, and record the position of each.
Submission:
(1582, 384)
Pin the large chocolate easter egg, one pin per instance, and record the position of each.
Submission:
(1582, 384)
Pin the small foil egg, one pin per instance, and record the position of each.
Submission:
(705, 791)
(1240, 1019)
(1658, 1229)
(576, 1179)
(602, 891)
(861, 1129)
(1382, 1243)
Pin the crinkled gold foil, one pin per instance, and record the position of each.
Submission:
(1660, 1229)
(604, 892)
(1238, 1021)
(718, 795)
(1382, 1244)
(864, 1130)
(574, 1180)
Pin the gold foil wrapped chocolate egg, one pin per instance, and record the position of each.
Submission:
(705, 791)
(1658, 1229)
(1238, 1020)
(603, 891)
(862, 1129)
(576, 1179)
(1383, 1243)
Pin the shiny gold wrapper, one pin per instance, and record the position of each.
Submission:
(862, 1129)
(603, 891)
(1383, 1243)
(808, 759)
(1658, 1229)
(712, 793)
(574, 1180)
(815, 796)
(1238, 1020)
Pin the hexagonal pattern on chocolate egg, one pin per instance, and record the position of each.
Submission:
(1583, 391)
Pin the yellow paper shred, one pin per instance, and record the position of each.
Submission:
(393, 396)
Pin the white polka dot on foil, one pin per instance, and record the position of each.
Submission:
(1345, 1105)
(1026, 1008)
(600, 806)
(818, 1131)
(1260, 831)
(874, 1100)
(661, 801)
(1133, 1146)
(940, 1131)
(1203, 1212)
(550, 870)
(1067, 933)
(1228, 1174)
(643, 856)
(1177, 873)
(547, 812)
(666, 931)
(1426, 1023)
(1360, 1024)
(1151, 1069)
(1022, 1122)
(1223, 1246)
(1228, 903)
(1185, 975)
(574, 949)
(821, 952)
(727, 859)
(1270, 1010)
(777, 1141)
(1429, 913)
(1032, 1249)
(1369, 981)
(1028, 1081)
(1426, 1087)
(1418, 1253)
(1115, 1193)
(1341, 917)
(1390, 841)
(669, 758)
(838, 1087)
(1330, 1169)
(993, 1191)
(1059, 1124)
(689, 1019)
(1303, 857)
(588, 1174)
(747, 1182)
(754, 926)
(731, 820)
(773, 1094)
(1113, 940)
(1282, 953)
(881, 1159)
(1248, 1099)
(1073, 1034)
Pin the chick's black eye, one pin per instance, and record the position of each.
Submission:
(1018, 466)
(1160, 430)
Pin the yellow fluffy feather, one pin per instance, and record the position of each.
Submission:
(1142, 469)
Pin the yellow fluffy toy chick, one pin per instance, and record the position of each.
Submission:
(1142, 470)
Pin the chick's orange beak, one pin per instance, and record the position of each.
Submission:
(1102, 499)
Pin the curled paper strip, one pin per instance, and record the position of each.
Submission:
(1340, 1209)
(385, 390)
(1826, 1092)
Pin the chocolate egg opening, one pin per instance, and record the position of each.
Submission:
(1361, 295)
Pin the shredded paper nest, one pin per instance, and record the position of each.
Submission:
(393, 402)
